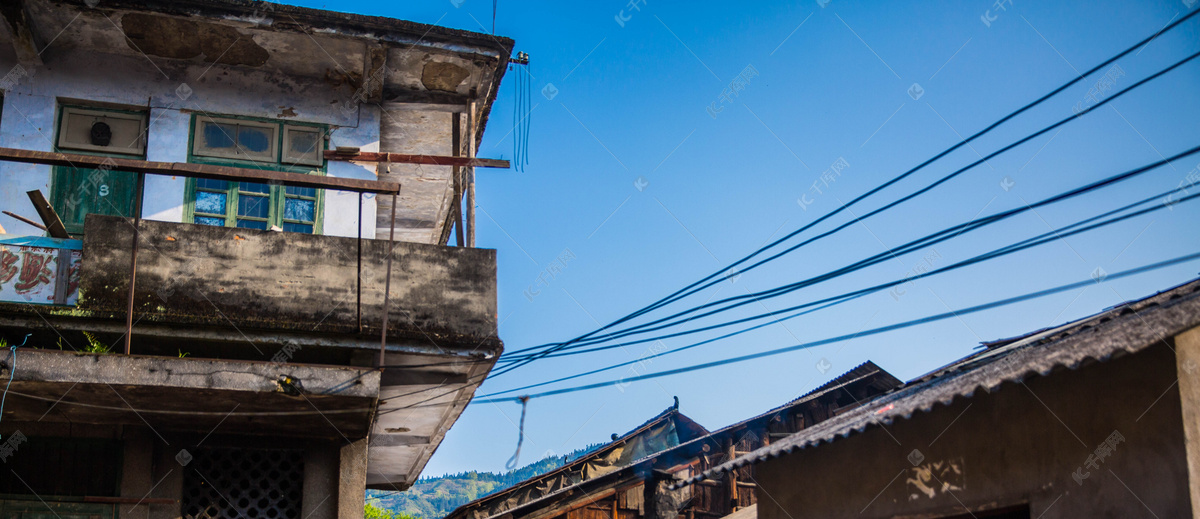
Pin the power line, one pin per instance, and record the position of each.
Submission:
(841, 338)
(758, 296)
(553, 347)
(825, 303)
(940, 236)
(681, 293)
(830, 301)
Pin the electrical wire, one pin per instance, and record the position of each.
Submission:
(512, 462)
(1062, 233)
(888, 206)
(750, 298)
(862, 292)
(928, 240)
(12, 372)
(685, 291)
(841, 338)
(1044, 238)
(553, 347)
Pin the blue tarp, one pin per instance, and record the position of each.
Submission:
(42, 241)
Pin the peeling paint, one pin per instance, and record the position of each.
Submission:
(186, 39)
(438, 75)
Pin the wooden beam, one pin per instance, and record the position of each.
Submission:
(24, 219)
(54, 224)
(469, 173)
(198, 171)
(403, 158)
(129, 500)
(731, 476)
(456, 142)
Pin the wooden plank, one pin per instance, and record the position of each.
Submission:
(469, 174)
(129, 500)
(208, 171)
(404, 158)
(54, 224)
(731, 476)
(24, 219)
(456, 138)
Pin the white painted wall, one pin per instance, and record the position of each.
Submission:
(77, 77)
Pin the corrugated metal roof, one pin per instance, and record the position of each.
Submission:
(750, 512)
(867, 371)
(1127, 328)
(667, 414)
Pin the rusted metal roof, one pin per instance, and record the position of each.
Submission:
(565, 474)
(867, 373)
(1126, 328)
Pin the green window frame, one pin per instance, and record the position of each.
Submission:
(251, 205)
(77, 192)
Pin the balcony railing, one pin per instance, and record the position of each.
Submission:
(186, 274)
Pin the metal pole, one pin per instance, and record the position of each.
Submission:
(137, 223)
(387, 281)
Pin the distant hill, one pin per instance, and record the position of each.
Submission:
(435, 497)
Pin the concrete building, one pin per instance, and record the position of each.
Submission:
(640, 488)
(1095, 418)
(241, 304)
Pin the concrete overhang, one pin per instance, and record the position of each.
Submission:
(374, 59)
(417, 406)
(191, 395)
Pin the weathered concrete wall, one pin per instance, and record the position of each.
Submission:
(287, 280)
(137, 471)
(1187, 362)
(1019, 445)
(424, 200)
(321, 464)
(75, 76)
(352, 479)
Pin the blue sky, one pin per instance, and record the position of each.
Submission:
(832, 82)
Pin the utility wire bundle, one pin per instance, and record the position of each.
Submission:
(521, 111)
(606, 337)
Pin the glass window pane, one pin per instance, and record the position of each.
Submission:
(252, 224)
(211, 203)
(297, 227)
(254, 139)
(248, 187)
(208, 220)
(218, 135)
(205, 183)
(302, 142)
(295, 209)
(256, 206)
(310, 192)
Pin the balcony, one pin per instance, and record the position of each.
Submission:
(261, 322)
